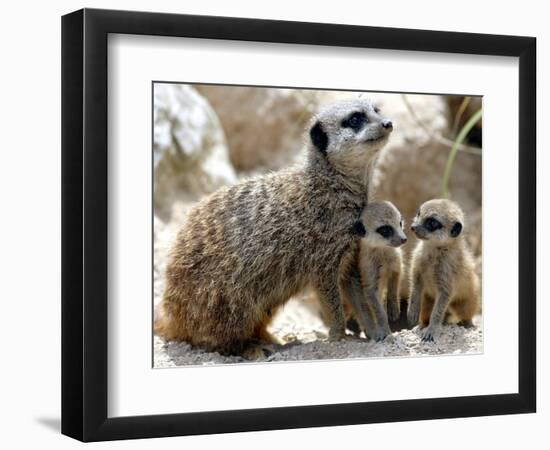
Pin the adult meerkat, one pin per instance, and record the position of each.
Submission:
(380, 265)
(248, 248)
(444, 279)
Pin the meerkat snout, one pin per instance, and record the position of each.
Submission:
(387, 124)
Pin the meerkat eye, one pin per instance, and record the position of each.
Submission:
(355, 121)
(385, 231)
(432, 224)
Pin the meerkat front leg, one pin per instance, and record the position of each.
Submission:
(413, 310)
(369, 291)
(382, 329)
(332, 304)
(431, 332)
(353, 291)
(393, 306)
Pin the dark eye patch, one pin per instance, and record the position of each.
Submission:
(376, 110)
(385, 231)
(355, 121)
(359, 229)
(432, 224)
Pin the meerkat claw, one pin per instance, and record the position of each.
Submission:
(428, 334)
(388, 338)
(335, 337)
(258, 351)
(380, 335)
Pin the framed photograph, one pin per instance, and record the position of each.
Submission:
(273, 224)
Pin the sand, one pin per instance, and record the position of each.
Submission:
(404, 343)
(299, 326)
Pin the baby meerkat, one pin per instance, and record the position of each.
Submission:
(444, 280)
(380, 266)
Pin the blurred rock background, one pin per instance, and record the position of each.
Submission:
(207, 136)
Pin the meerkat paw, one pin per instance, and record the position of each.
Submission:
(429, 334)
(351, 338)
(389, 339)
(259, 351)
(466, 323)
(336, 334)
(381, 334)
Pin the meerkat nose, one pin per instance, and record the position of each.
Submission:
(413, 227)
(387, 124)
(403, 240)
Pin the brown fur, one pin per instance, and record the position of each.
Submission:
(246, 249)
(445, 283)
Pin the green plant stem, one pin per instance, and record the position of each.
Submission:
(452, 154)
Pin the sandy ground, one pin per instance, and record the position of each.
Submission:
(298, 325)
(307, 341)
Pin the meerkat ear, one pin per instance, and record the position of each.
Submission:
(456, 229)
(359, 229)
(318, 137)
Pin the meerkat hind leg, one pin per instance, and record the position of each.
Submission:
(333, 308)
(415, 303)
(393, 303)
(431, 332)
(466, 323)
(353, 290)
(371, 295)
(382, 324)
(426, 310)
(464, 310)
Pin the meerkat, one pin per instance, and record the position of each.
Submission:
(246, 249)
(444, 280)
(380, 266)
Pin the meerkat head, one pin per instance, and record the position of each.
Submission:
(350, 134)
(384, 224)
(439, 221)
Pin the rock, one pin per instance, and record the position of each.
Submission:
(189, 150)
(264, 127)
(411, 166)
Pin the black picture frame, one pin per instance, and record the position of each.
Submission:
(84, 224)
